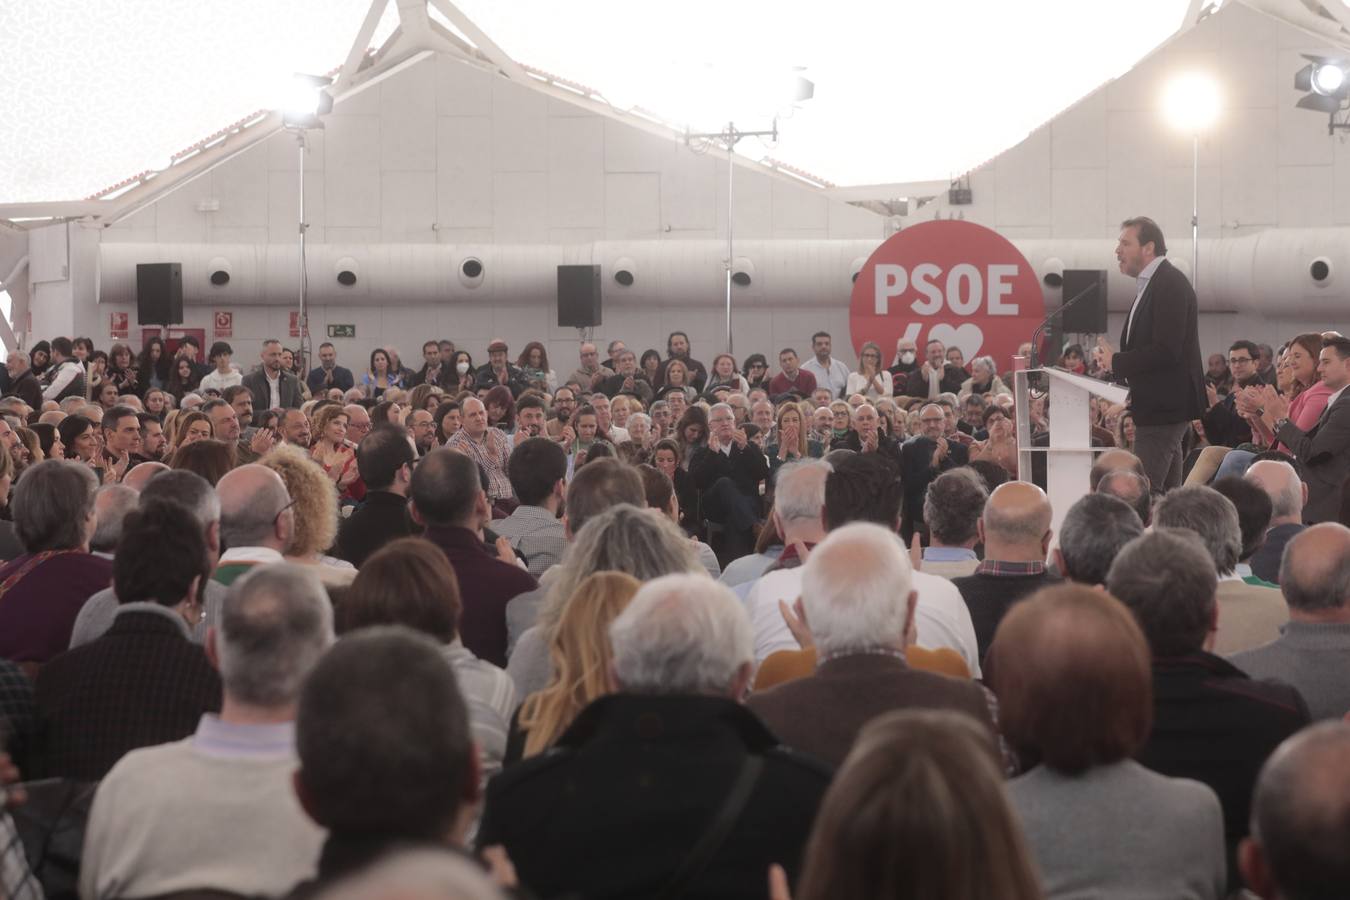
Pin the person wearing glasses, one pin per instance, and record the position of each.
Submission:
(1224, 424)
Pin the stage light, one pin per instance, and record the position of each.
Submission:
(1191, 102)
(1328, 79)
(304, 99)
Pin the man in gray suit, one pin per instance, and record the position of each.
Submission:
(1323, 449)
(1313, 652)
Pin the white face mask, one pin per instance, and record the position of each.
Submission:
(461, 367)
(907, 357)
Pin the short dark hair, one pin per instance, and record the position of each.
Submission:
(599, 486)
(1167, 579)
(658, 486)
(1094, 530)
(116, 414)
(819, 334)
(445, 486)
(51, 504)
(1254, 509)
(1336, 342)
(144, 419)
(530, 400)
(406, 582)
(862, 488)
(218, 348)
(63, 346)
(380, 455)
(1249, 346)
(953, 505)
(535, 466)
(380, 762)
(1149, 233)
(190, 339)
(233, 391)
(1069, 647)
(326, 344)
(786, 350)
(162, 549)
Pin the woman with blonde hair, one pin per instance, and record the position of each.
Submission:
(793, 439)
(316, 513)
(872, 380)
(580, 654)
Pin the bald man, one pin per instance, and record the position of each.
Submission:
(1288, 495)
(295, 428)
(1015, 531)
(1312, 652)
(358, 423)
(1301, 818)
(141, 474)
(257, 520)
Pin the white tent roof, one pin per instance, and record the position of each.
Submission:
(913, 92)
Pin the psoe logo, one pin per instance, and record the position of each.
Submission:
(950, 281)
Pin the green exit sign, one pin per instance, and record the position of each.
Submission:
(342, 331)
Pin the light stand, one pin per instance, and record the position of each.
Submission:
(728, 138)
(308, 101)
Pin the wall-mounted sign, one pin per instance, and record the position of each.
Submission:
(951, 281)
(118, 325)
(342, 331)
(295, 324)
(224, 324)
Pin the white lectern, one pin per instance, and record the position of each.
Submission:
(1069, 456)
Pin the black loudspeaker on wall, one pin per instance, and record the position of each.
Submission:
(159, 293)
(578, 296)
(1088, 315)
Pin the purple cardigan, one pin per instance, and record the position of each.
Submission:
(38, 609)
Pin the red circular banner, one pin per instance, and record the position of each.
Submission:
(957, 282)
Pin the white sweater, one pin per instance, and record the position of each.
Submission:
(182, 816)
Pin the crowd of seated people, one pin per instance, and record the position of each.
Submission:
(653, 628)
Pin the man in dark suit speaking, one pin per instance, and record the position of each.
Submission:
(1159, 355)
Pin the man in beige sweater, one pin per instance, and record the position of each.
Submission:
(216, 811)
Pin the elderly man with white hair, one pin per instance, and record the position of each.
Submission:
(216, 810)
(662, 768)
(798, 499)
(859, 603)
(1288, 495)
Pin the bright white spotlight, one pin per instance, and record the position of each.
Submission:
(303, 99)
(1327, 79)
(1191, 102)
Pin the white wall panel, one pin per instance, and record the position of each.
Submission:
(1305, 198)
(462, 89)
(352, 142)
(519, 129)
(689, 194)
(520, 206)
(629, 149)
(408, 120)
(1078, 135)
(632, 205)
(240, 187)
(464, 186)
(1024, 181)
(1078, 202)
(352, 198)
(408, 207)
(795, 210)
